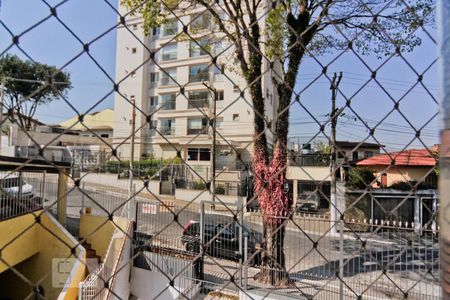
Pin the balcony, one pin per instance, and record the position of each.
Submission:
(167, 81)
(203, 103)
(167, 130)
(196, 131)
(169, 105)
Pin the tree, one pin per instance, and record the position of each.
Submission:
(29, 85)
(292, 30)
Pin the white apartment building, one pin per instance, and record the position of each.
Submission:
(176, 87)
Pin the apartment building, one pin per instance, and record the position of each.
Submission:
(171, 78)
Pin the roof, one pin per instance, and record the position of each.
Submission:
(411, 157)
(99, 120)
(347, 144)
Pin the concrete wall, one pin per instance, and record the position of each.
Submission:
(400, 174)
(318, 173)
(51, 241)
(97, 231)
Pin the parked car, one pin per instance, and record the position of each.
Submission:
(308, 202)
(13, 185)
(221, 237)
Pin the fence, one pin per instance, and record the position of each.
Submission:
(353, 83)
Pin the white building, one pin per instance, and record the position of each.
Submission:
(175, 86)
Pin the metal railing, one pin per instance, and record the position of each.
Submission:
(93, 287)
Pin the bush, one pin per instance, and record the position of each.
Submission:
(359, 178)
(198, 185)
(220, 190)
(144, 167)
(407, 185)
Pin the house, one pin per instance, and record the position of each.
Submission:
(99, 123)
(407, 165)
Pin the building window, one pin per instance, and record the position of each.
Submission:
(219, 122)
(368, 154)
(167, 127)
(197, 126)
(235, 117)
(198, 48)
(156, 31)
(236, 88)
(170, 28)
(168, 101)
(154, 78)
(133, 50)
(169, 52)
(200, 22)
(153, 101)
(219, 95)
(199, 73)
(169, 77)
(198, 99)
(199, 154)
(133, 74)
(355, 155)
(135, 26)
(104, 135)
(218, 74)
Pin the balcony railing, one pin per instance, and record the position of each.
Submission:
(204, 76)
(203, 103)
(169, 105)
(166, 130)
(168, 81)
(192, 131)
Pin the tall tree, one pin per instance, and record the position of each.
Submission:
(292, 30)
(29, 85)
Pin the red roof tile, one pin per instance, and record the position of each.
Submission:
(412, 157)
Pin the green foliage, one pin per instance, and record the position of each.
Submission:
(276, 26)
(220, 190)
(45, 84)
(198, 185)
(145, 167)
(359, 178)
(408, 185)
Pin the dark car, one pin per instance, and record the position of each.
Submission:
(221, 239)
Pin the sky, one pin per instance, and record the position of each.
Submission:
(51, 43)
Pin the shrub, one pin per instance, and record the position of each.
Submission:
(220, 190)
(359, 178)
(407, 185)
(198, 185)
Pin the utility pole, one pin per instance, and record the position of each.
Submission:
(212, 123)
(334, 151)
(2, 95)
(130, 172)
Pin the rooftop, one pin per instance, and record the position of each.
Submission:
(411, 157)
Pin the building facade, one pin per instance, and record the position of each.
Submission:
(177, 91)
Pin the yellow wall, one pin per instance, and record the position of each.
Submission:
(24, 246)
(97, 231)
(49, 241)
(101, 119)
(398, 174)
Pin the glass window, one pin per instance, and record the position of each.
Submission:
(219, 96)
(218, 73)
(199, 154)
(153, 101)
(198, 99)
(168, 101)
(199, 73)
(169, 52)
(156, 31)
(167, 127)
(235, 117)
(169, 77)
(197, 126)
(198, 48)
(219, 122)
(170, 28)
(193, 154)
(154, 78)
